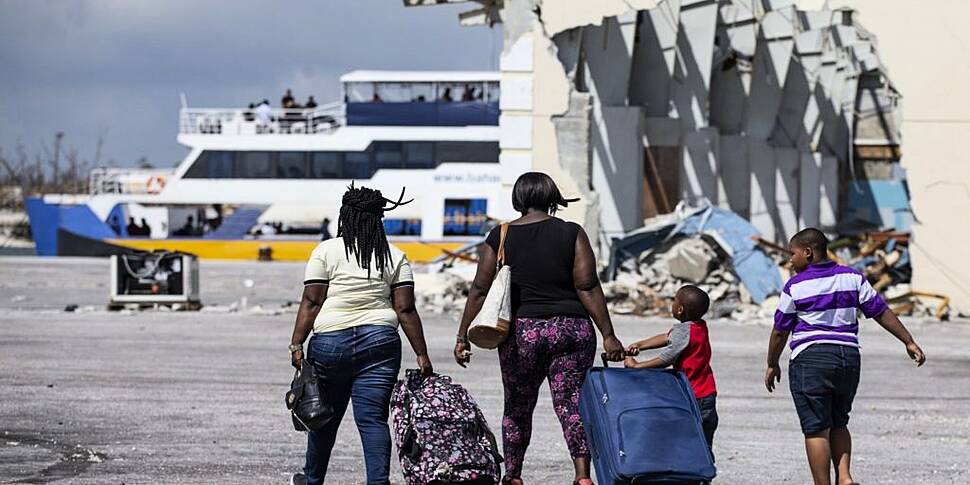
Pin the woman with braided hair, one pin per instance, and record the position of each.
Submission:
(357, 289)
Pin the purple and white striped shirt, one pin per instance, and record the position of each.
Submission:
(819, 305)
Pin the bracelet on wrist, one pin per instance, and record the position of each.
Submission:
(294, 348)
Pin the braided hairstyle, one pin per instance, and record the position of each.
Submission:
(362, 228)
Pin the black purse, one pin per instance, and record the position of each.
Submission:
(307, 399)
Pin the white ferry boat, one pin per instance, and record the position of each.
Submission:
(268, 178)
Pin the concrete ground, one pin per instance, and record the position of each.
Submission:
(160, 397)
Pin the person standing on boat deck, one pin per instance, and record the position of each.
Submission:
(310, 103)
(555, 291)
(287, 101)
(325, 229)
(358, 289)
(263, 114)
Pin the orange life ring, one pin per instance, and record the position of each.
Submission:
(155, 184)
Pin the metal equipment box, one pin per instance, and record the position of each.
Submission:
(156, 278)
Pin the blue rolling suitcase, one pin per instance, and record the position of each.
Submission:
(644, 427)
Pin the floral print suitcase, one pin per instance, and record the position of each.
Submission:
(441, 434)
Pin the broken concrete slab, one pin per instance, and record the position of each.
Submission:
(691, 259)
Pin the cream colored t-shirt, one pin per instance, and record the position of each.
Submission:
(352, 298)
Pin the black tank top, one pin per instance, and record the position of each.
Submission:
(541, 255)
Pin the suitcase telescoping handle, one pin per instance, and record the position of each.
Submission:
(605, 359)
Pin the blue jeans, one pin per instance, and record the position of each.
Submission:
(359, 363)
(708, 407)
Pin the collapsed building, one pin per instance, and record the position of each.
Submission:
(786, 117)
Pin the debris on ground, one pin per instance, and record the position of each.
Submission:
(443, 287)
(712, 248)
(707, 246)
(883, 257)
(646, 285)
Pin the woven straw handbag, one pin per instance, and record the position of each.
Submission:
(491, 326)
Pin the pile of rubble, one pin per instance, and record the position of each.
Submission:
(646, 285)
(884, 258)
(715, 250)
(443, 287)
(707, 246)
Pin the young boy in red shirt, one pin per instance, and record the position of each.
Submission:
(687, 348)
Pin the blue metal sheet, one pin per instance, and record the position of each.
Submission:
(757, 271)
(117, 220)
(880, 203)
(80, 220)
(44, 221)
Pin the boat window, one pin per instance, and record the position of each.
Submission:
(291, 165)
(393, 92)
(359, 92)
(465, 217)
(326, 165)
(211, 165)
(217, 164)
(466, 152)
(452, 92)
(402, 227)
(491, 92)
(419, 154)
(387, 154)
(357, 165)
(254, 165)
(422, 92)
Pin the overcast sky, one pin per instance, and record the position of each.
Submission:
(117, 67)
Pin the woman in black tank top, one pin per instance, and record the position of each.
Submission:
(555, 294)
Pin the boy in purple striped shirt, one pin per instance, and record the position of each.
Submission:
(818, 308)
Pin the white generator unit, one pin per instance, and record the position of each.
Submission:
(156, 278)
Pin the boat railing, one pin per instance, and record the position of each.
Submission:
(105, 180)
(286, 121)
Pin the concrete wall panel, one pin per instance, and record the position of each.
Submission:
(829, 192)
(518, 58)
(516, 93)
(515, 132)
(735, 174)
(561, 15)
(609, 54)
(617, 158)
(699, 178)
(764, 211)
(695, 51)
(811, 180)
(654, 57)
(787, 192)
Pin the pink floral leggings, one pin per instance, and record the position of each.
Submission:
(561, 349)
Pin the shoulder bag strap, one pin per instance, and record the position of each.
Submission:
(503, 231)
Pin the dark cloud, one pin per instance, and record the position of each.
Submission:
(117, 67)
